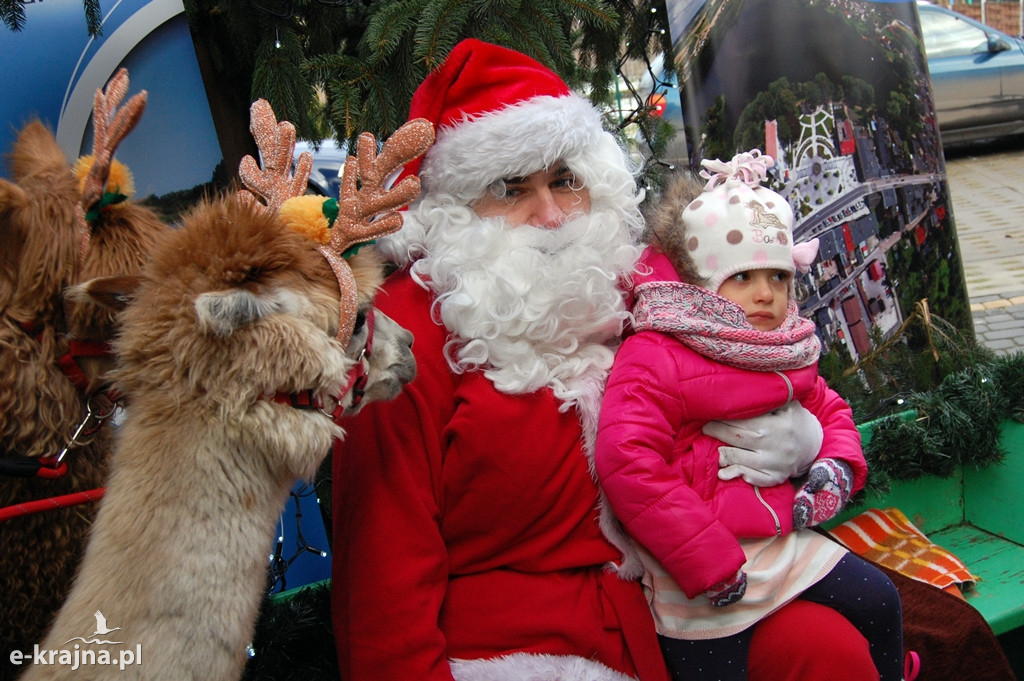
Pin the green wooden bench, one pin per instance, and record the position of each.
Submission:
(978, 515)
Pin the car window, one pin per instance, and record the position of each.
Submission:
(949, 36)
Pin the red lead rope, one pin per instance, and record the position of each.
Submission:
(54, 467)
(68, 363)
(18, 510)
(51, 468)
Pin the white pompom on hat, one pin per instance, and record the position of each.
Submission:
(738, 225)
(497, 114)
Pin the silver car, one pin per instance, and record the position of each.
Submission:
(977, 76)
(328, 166)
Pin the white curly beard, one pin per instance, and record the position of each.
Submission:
(530, 307)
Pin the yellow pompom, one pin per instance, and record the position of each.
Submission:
(305, 215)
(82, 166)
(119, 180)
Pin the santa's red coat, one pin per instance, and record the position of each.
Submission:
(465, 526)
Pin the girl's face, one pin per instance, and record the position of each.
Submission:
(763, 295)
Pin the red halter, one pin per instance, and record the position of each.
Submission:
(356, 384)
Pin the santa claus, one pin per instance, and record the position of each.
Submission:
(467, 541)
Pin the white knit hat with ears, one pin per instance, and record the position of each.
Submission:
(497, 114)
(737, 225)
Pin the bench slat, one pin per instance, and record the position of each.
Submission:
(1000, 565)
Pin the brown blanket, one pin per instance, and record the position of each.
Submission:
(954, 641)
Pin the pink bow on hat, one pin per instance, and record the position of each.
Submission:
(748, 167)
(804, 254)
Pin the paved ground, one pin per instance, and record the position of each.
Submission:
(987, 189)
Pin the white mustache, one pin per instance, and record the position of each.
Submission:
(577, 229)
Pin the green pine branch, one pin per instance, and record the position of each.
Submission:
(935, 400)
(343, 68)
(12, 15)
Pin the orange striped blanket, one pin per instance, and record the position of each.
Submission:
(887, 537)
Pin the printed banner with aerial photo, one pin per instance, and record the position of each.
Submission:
(837, 91)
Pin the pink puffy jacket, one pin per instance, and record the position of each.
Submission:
(660, 472)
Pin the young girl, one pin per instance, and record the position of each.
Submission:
(718, 337)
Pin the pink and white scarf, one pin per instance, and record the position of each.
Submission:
(718, 328)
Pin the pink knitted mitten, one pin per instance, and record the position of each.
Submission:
(827, 489)
(728, 591)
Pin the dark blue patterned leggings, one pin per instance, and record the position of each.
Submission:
(854, 588)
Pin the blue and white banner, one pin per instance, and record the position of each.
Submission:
(52, 69)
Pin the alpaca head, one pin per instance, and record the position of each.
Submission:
(343, 231)
(60, 227)
(223, 312)
(120, 233)
(41, 228)
(235, 318)
(222, 309)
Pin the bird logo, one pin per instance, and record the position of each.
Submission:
(101, 630)
(101, 625)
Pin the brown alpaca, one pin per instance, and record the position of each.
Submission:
(234, 309)
(48, 245)
(41, 228)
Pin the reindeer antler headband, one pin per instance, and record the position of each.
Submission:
(366, 209)
(104, 182)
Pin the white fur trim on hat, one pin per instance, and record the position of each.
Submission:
(527, 667)
(738, 225)
(512, 142)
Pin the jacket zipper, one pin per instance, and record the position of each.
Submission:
(775, 516)
(757, 490)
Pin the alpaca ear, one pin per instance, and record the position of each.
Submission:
(221, 312)
(12, 196)
(114, 293)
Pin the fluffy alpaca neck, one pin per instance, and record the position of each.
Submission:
(177, 555)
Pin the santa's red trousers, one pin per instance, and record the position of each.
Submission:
(805, 641)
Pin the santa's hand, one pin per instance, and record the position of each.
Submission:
(768, 449)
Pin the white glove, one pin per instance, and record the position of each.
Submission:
(768, 449)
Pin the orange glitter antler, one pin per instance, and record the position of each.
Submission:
(366, 208)
(274, 183)
(110, 124)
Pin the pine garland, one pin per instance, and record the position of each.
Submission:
(294, 639)
(915, 359)
(935, 401)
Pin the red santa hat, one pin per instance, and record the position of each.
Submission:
(497, 113)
